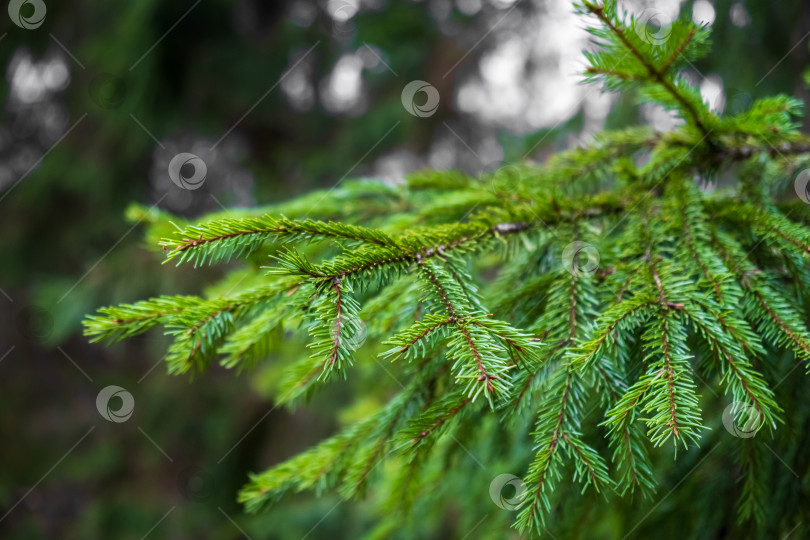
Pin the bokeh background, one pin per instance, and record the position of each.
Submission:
(279, 98)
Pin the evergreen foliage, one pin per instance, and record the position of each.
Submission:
(486, 326)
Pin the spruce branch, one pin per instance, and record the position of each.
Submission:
(227, 238)
(128, 320)
(463, 279)
(658, 74)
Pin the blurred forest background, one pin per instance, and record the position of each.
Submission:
(279, 98)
